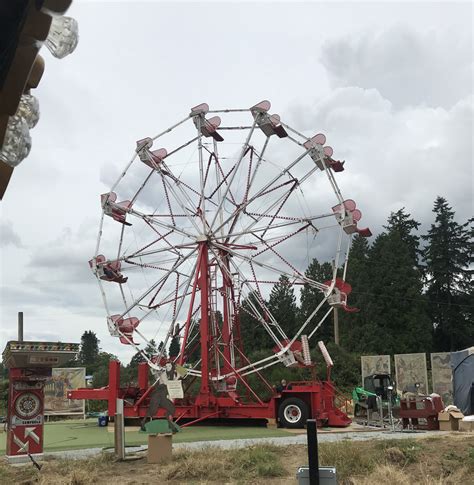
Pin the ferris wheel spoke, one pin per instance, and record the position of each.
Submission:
(298, 277)
(222, 182)
(255, 220)
(261, 302)
(267, 186)
(178, 263)
(155, 222)
(190, 214)
(269, 247)
(239, 161)
(263, 307)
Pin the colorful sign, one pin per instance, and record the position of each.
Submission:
(57, 387)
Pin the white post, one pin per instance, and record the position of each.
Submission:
(119, 431)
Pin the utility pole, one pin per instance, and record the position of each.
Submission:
(335, 310)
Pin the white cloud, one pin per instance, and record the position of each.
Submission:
(406, 66)
(398, 111)
(397, 159)
(8, 236)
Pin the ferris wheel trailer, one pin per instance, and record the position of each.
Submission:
(291, 408)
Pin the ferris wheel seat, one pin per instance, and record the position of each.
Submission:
(209, 128)
(366, 232)
(338, 298)
(316, 140)
(116, 210)
(109, 271)
(261, 107)
(127, 339)
(125, 328)
(335, 165)
(153, 158)
(269, 124)
(350, 309)
(200, 109)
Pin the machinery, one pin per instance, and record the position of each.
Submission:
(29, 365)
(194, 234)
(375, 386)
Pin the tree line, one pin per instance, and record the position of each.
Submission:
(414, 292)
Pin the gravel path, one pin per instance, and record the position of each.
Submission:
(280, 441)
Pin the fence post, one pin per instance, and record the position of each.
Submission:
(313, 457)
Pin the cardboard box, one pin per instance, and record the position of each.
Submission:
(159, 447)
(449, 420)
(466, 426)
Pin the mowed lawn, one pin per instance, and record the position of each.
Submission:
(77, 434)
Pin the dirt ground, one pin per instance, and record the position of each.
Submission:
(446, 460)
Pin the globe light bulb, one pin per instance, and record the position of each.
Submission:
(17, 141)
(28, 109)
(63, 36)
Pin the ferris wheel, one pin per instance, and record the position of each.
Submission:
(209, 214)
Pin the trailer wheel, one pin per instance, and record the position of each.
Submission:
(293, 413)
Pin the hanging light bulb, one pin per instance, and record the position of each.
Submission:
(17, 141)
(63, 36)
(29, 110)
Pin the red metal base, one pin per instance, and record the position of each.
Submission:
(319, 397)
(421, 407)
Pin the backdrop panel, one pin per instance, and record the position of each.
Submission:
(374, 364)
(441, 374)
(55, 391)
(410, 370)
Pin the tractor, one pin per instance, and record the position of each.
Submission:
(375, 385)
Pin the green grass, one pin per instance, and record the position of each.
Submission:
(79, 434)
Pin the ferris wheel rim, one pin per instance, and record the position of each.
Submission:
(209, 231)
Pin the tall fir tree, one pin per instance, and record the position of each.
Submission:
(350, 324)
(310, 298)
(252, 332)
(400, 222)
(89, 350)
(174, 347)
(282, 304)
(448, 258)
(398, 308)
(150, 350)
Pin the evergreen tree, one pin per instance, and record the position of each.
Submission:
(100, 369)
(401, 223)
(398, 319)
(448, 260)
(350, 324)
(174, 347)
(89, 350)
(252, 332)
(311, 297)
(150, 351)
(388, 290)
(282, 305)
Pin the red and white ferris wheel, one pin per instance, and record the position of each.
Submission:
(207, 213)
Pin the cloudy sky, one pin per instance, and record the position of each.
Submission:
(390, 84)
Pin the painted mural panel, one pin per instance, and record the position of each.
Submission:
(441, 374)
(56, 388)
(374, 364)
(411, 370)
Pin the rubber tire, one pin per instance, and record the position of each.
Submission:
(295, 402)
